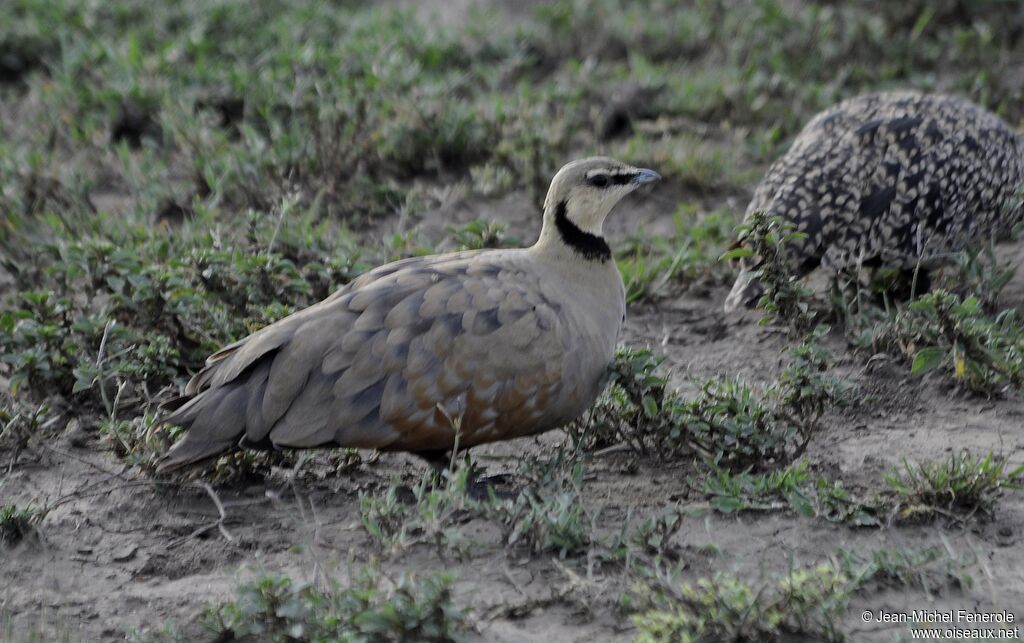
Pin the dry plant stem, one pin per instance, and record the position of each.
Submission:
(220, 509)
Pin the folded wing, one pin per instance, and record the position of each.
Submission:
(390, 362)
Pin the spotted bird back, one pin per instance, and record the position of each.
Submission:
(894, 178)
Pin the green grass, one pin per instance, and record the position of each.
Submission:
(655, 267)
(782, 489)
(805, 602)
(548, 516)
(133, 304)
(791, 488)
(20, 423)
(480, 234)
(931, 570)
(433, 515)
(958, 490)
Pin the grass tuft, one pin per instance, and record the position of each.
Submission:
(17, 524)
(959, 488)
(432, 515)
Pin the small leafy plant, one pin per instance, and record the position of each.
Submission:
(433, 515)
(124, 314)
(649, 267)
(546, 518)
(480, 234)
(942, 331)
(927, 569)
(19, 424)
(765, 240)
(371, 607)
(804, 602)
(980, 274)
(733, 492)
(635, 408)
(791, 488)
(653, 536)
(729, 423)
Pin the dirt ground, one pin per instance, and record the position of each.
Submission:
(122, 553)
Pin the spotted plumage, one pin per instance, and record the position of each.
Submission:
(899, 179)
(496, 343)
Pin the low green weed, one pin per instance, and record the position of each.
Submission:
(943, 331)
(547, 518)
(648, 267)
(371, 607)
(929, 569)
(979, 272)
(126, 314)
(480, 234)
(729, 423)
(805, 602)
(19, 424)
(959, 488)
(653, 537)
(765, 241)
(651, 267)
(790, 488)
(142, 308)
(18, 523)
(785, 488)
(433, 515)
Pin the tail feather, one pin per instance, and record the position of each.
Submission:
(192, 451)
(222, 403)
(214, 422)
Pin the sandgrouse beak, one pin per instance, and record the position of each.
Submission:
(644, 176)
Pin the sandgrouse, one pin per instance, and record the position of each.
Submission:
(898, 180)
(495, 343)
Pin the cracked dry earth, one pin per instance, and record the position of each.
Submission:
(121, 553)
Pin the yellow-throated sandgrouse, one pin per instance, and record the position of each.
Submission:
(501, 343)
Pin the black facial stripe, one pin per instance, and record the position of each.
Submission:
(615, 177)
(590, 246)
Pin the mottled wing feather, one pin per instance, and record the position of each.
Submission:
(389, 361)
